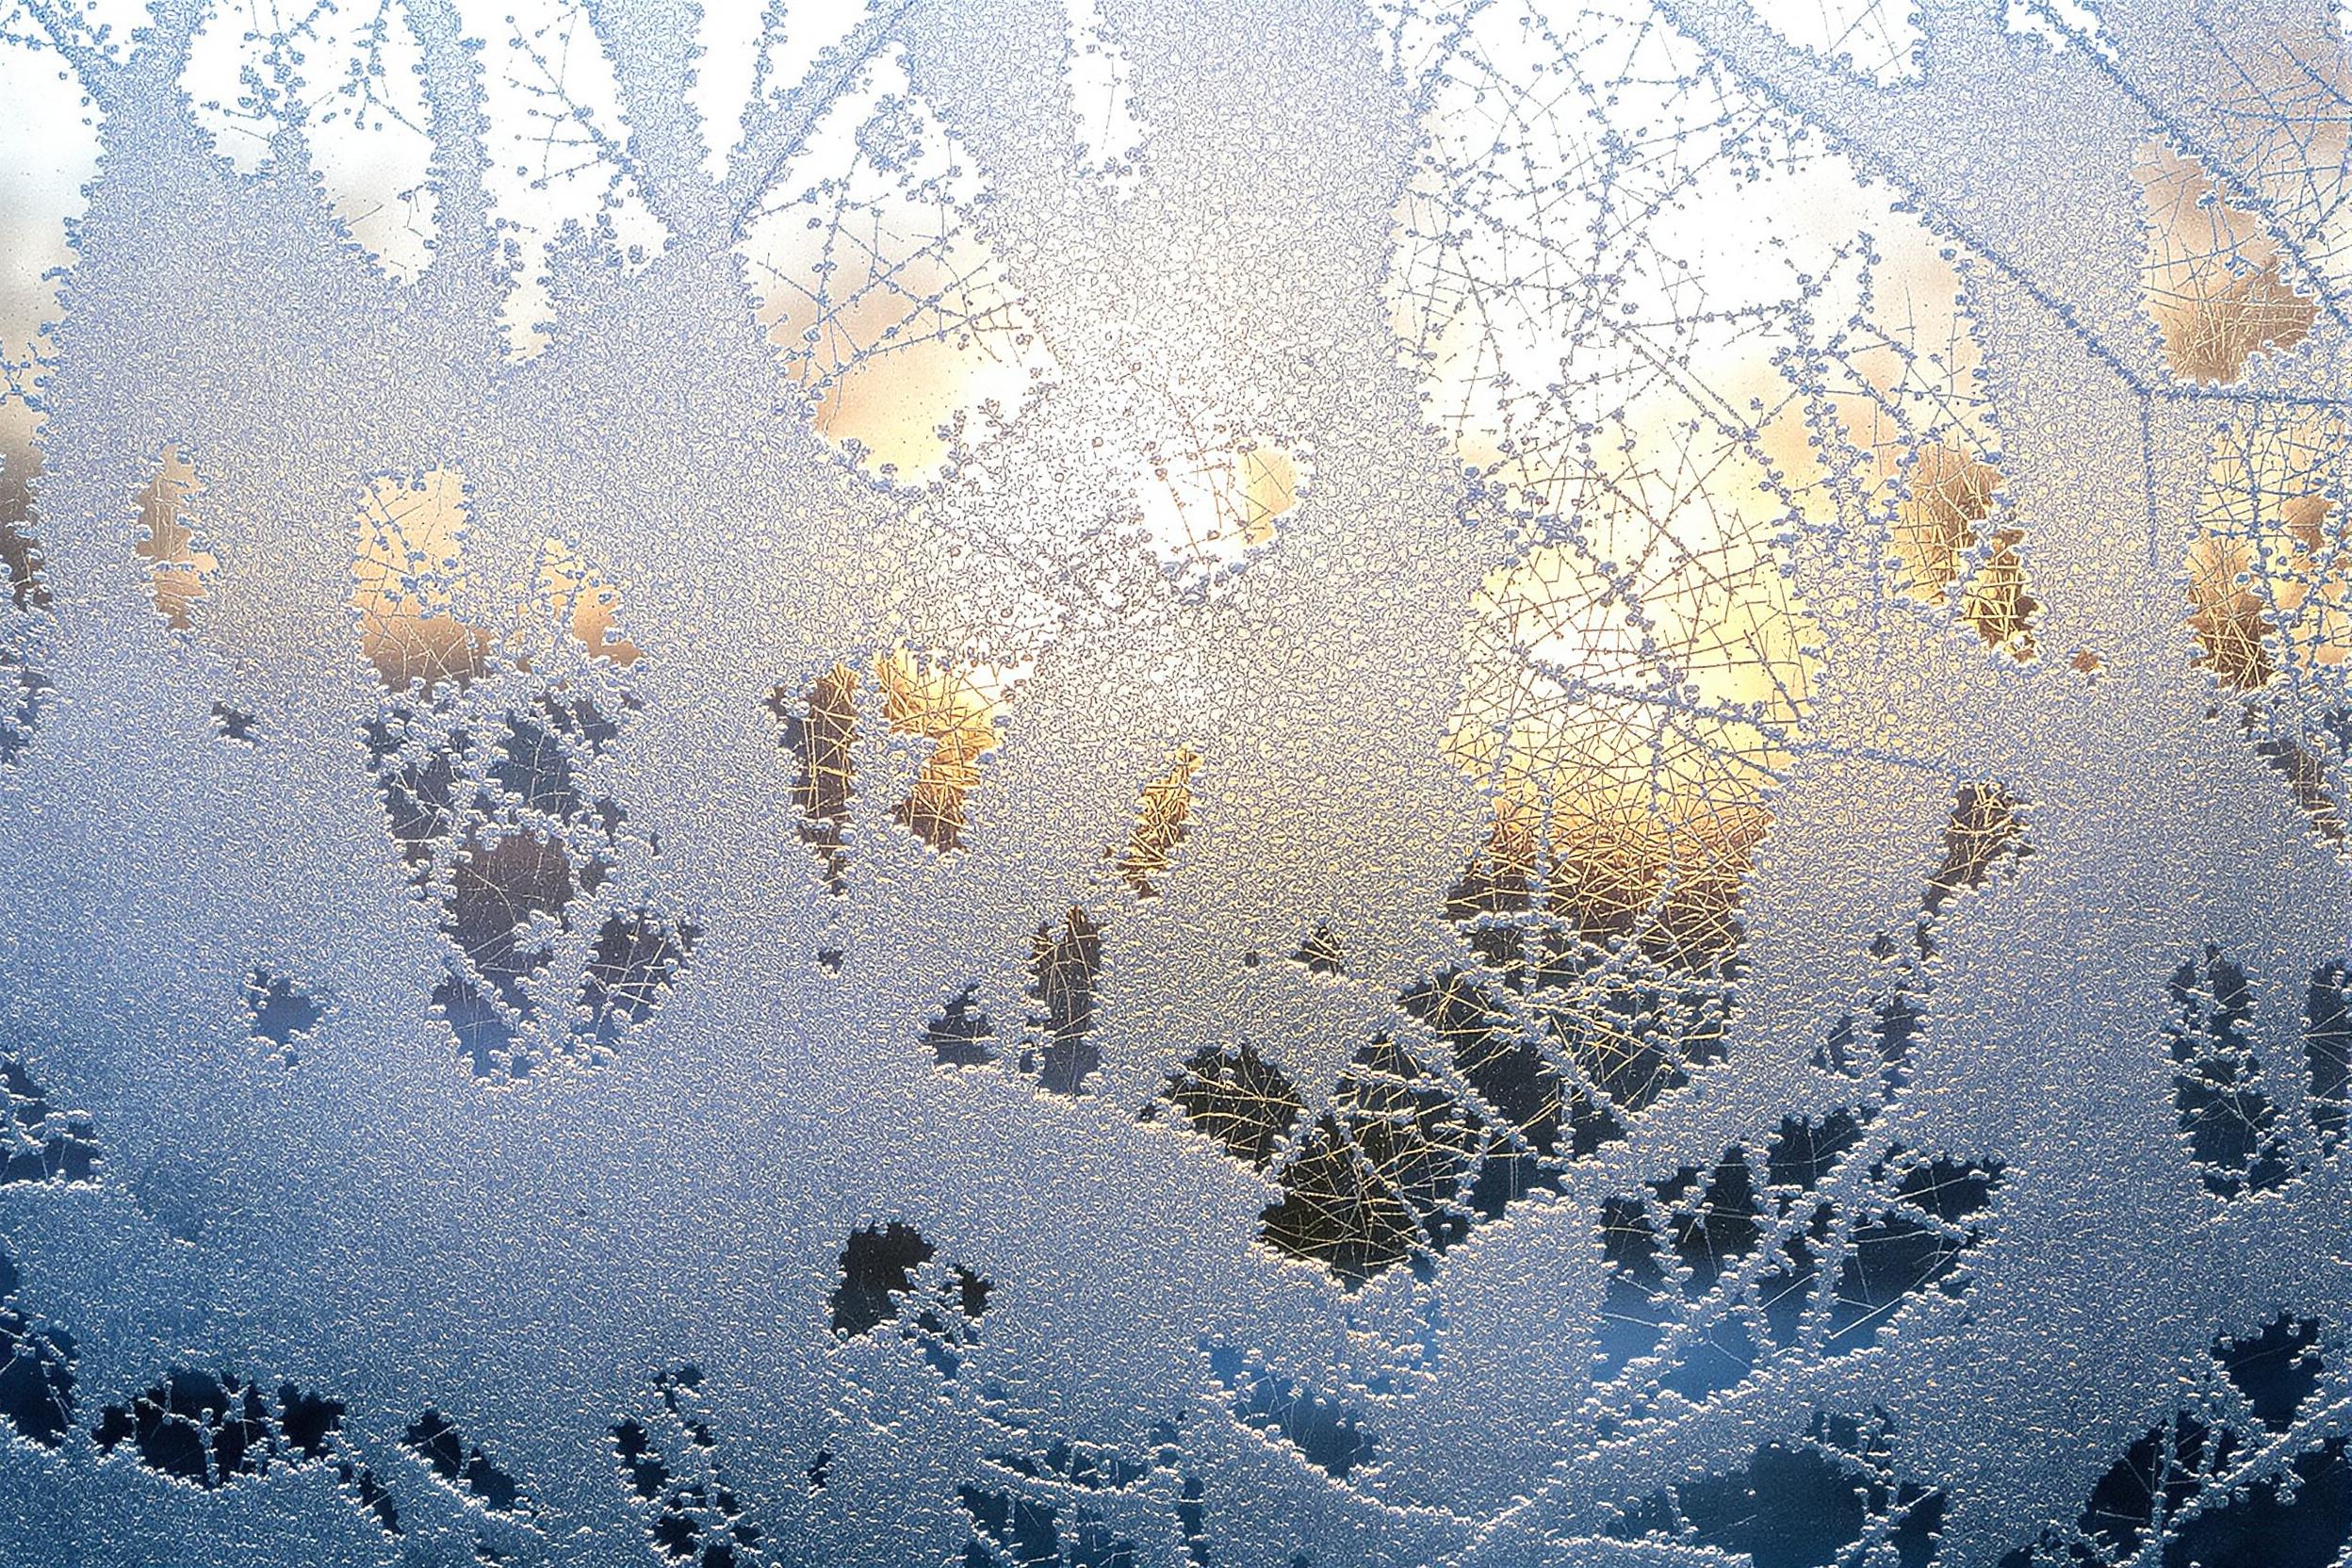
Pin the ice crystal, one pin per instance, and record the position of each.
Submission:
(1006, 782)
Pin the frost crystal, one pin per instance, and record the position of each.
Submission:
(1017, 782)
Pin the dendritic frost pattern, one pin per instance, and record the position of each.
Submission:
(1009, 782)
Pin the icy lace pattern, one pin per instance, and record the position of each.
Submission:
(1018, 782)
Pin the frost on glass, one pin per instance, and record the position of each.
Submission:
(1004, 782)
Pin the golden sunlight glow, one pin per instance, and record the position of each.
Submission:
(2213, 276)
(1162, 813)
(403, 578)
(955, 707)
(583, 602)
(2268, 580)
(889, 313)
(1936, 535)
(409, 567)
(1213, 494)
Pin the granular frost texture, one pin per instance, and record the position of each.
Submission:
(1259, 784)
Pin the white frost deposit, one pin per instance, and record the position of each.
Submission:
(1014, 782)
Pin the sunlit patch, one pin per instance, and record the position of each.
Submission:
(1627, 399)
(1673, 880)
(2227, 614)
(1943, 545)
(2283, 107)
(1162, 814)
(404, 578)
(584, 603)
(2213, 276)
(176, 566)
(1629, 704)
(1212, 496)
(819, 727)
(892, 315)
(2270, 570)
(955, 707)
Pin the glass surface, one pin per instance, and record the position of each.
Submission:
(1104, 783)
